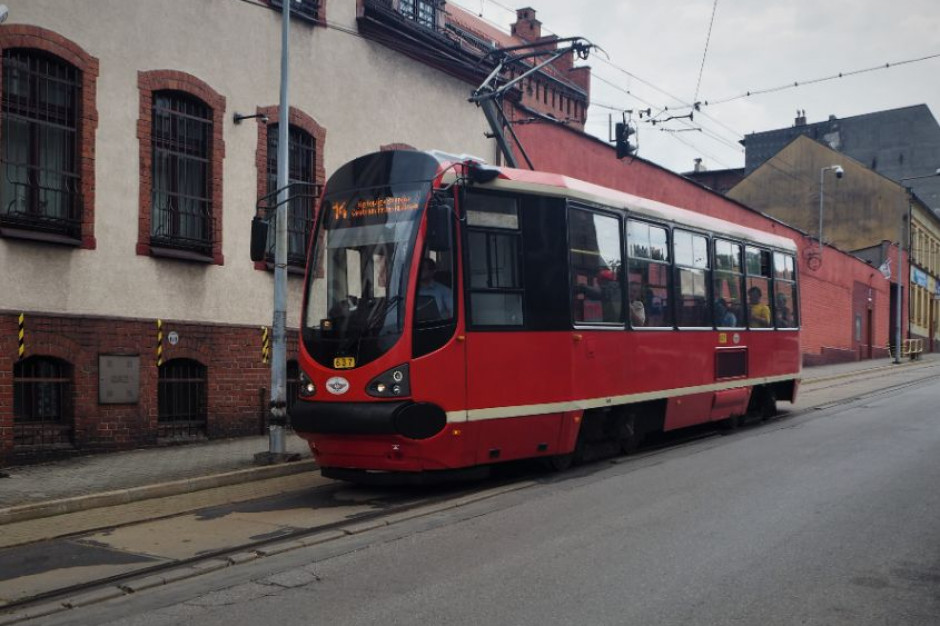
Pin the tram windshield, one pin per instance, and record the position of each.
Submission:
(359, 265)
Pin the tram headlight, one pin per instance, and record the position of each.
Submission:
(305, 387)
(391, 383)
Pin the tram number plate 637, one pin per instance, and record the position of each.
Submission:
(344, 362)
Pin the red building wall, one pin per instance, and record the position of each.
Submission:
(237, 378)
(830, 300)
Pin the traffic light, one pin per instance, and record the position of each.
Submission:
(622, 133)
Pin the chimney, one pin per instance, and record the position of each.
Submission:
(800, 118)
(526, 26)
(699, 167)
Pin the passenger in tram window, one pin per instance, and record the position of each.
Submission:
(608, 282)
(782, 312)
(637, 309)
(429, 288)
(724, 316)
(759, 312)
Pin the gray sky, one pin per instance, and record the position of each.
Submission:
(754, 45)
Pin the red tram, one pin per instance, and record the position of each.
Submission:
(458, 315)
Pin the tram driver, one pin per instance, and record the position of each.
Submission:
(435, 299)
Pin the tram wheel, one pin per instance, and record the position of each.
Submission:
(559, 462)
(730, 424)
(628, 439)
(768, 404)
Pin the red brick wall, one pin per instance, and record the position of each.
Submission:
(26, 36)
(826, 292)
(232, 355)
(156, 80)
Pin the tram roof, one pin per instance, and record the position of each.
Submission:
(545, 183)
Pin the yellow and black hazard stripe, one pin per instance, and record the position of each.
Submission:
(21, 337)
(159, 343)
(265, 344)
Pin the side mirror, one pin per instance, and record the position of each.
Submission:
(259, 238)
(439, 235)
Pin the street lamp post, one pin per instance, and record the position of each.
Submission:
(839, 172)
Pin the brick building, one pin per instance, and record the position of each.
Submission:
(130, 180)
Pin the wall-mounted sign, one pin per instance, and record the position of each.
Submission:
(173, 338)
(118, 379)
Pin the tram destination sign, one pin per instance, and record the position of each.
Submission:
(359, 211)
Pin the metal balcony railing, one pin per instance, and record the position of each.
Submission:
(40, 200)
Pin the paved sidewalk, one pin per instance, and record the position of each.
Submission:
(88, 482)
(152, 472)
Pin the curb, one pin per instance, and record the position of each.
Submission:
(868, 370)
(62, 506)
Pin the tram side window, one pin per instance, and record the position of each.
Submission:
(757, 266)
(691, 258)
(786, 311)
(648, 275)
(494, 260)
(727, 281)
(596, 267)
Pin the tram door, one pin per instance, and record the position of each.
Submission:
(439, 363)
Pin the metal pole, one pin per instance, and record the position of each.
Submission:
(278, 419)
(897, 336)
(822, 181)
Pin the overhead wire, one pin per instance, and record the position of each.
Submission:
(708, 39)
(813, 81)
(659, 111)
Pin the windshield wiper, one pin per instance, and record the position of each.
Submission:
(378, 314)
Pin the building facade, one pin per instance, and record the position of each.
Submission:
(130, 312)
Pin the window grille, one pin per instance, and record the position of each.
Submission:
(42, 402)
(39, 185)
(181, 197)
(182, 399)
(421, 11)
(302, 163)
(304, 9)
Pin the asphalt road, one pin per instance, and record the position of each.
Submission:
(827, 517)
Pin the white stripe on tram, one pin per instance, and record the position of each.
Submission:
(478, 415)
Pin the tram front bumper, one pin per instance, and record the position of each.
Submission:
(415, 420)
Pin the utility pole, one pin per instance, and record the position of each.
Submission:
(278, 420)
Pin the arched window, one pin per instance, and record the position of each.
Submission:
(302, 158)
(42, 402)
(182, 401)
(181, 196)
(40, 186)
